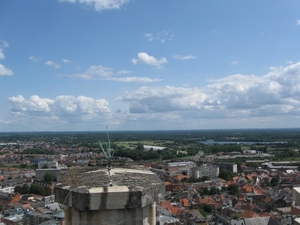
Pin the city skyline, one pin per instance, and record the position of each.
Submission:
(82, 65)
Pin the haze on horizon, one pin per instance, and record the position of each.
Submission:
(70, 65)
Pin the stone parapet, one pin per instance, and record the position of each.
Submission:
(89, 200)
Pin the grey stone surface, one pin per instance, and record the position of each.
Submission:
(85, 188)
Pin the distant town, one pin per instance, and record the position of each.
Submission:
(222, 177)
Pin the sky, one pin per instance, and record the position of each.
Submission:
(82, 65)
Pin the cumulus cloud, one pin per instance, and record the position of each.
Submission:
(34, 59)
(298, 22)
(66, 61)
(2, 56)
(121, 72)
(53, 64)
(234, 63)
(276, 93)
(63, 107)
(95, 72)
(160, 36)
(100, 5)
(184, 57)
(2, 121)
(150, 60)
(163, 99)
(3, 44)
(104, 73)
(134, 79)
(5, 71)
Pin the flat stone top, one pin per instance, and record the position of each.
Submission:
(90, 179)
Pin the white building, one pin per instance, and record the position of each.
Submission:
(211, 171)
(181, 166)
(9, 190)
(155, 148)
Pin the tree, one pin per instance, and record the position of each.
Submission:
(204, 191)
(25, 189)
(18, 189)
(233, 189)
(48, 177)
(213, 190)
(226, 174)
(22, 166)
(203, 213)
(45, 166)
(140, 147)
(33, 189)
(41, 190)
(204, 178)
(207, 208)
(274, 181)
(36, 189)
(235, 217)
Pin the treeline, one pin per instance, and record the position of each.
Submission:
(179, 137)
(213, 149)
(140, 154)
(287, 154)
(137, 154)
(33, 189)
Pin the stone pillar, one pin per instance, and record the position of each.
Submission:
(152, 214)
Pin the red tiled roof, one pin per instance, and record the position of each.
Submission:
(248, 214)
(168, 206)
(247, 189)
(184, 201)
(181, 176)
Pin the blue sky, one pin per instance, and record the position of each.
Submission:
(82, 65)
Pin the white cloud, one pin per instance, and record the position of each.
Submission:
(34, 59)
(2, 56)
(150, 60)
(95, 72)
(237, 96)
(149, 36)
(298, 22)
(234, 63)
(5, 71)
(100, 5)
(66, 61)
(54, 64)
(134, 79)
(163, 99)
(2, 121)
(184, 57)
(121, 72)
(4, 43)
(64, 107)
(160, 36)
(104, 73)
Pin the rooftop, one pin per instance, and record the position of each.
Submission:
(85, 178)
(132, 187)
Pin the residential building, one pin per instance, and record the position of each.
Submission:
(181, 166)
(228, 166)
(209, 170)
